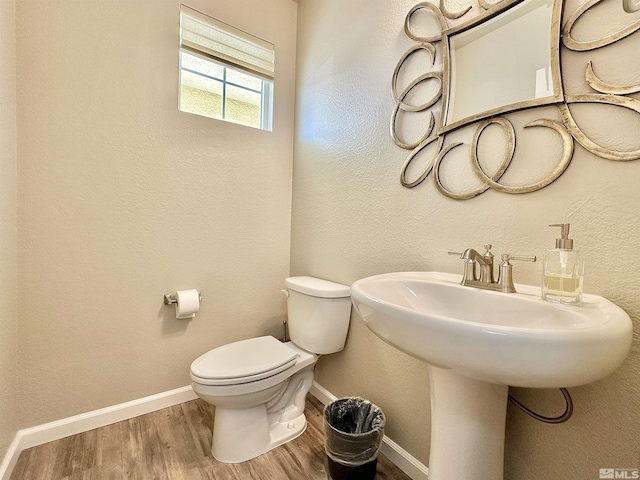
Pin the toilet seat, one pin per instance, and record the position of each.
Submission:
(244, 361)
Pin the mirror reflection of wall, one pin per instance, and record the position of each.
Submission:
(504, 61)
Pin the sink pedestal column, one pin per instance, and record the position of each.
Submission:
(467, 427)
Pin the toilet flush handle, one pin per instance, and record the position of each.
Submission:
(285, 292)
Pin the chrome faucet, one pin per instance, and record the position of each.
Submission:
(478, 269)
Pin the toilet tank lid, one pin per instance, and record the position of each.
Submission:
(317, 287)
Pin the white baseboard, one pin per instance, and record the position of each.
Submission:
(10, 459)
(390, 449)
(48, 432)
(31, 437)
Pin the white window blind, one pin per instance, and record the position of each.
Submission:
(206, 36)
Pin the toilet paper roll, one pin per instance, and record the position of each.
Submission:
(188, 303)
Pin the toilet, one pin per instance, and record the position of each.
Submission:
(259, 386)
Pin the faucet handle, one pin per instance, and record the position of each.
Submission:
(469, 266)
(506, 257)
(505, 271)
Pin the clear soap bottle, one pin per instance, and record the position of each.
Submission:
(562, 270)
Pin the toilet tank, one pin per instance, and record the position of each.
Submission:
(318, 314)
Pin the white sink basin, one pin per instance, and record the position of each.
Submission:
(477, 343)
(510, 339)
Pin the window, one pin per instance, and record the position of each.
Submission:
(225, 73)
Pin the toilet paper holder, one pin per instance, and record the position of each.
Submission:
(172, 298)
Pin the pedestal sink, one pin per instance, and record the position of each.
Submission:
(478, 343)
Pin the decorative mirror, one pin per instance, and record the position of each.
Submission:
(504, 60)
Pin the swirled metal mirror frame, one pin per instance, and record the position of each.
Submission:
(567, 128)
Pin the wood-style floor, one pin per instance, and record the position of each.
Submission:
(174, 443)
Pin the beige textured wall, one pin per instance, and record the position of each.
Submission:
(8, 315)
(123, 198)
(351, 218)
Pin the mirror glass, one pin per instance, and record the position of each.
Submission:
(505, 63)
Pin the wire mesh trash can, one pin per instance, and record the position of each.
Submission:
(353, 428)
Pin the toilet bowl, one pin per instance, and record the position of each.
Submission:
(259, 385)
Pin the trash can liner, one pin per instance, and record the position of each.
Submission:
(354, 429)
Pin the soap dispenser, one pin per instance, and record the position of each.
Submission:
(562, 270)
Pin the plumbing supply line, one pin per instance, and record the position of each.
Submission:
(559, 419)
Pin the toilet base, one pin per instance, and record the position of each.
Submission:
(252, 436)
(240, 434)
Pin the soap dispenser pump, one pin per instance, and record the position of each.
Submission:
(562, 270)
